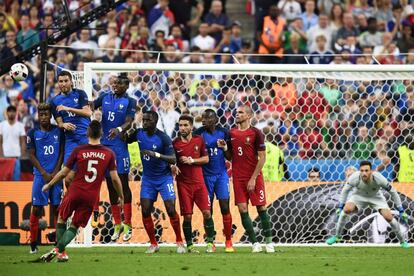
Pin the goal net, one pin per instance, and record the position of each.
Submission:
(323, 119)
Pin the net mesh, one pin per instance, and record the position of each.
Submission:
(328, 121)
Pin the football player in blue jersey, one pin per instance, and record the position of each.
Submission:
(72, 113)
(215, 171)
(45, 146)
(157, 154)
(118, 113)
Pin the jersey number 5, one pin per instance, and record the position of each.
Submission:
(91, 169)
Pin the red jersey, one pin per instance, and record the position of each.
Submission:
(195, 148)
(245, 145)
(91, 162)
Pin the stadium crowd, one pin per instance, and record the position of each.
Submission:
(307, 118)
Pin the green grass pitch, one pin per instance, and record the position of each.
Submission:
(375, 261)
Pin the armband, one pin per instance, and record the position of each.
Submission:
(157, 155)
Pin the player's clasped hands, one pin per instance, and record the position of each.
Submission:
(186, 160)
(61, 108)
(150, 153)
(113, 132)
(46, 187)
(221, 143)
(175, 170)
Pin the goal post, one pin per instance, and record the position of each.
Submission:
(323, 117)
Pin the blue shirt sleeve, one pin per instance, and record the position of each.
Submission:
(30, 143)
(167, 144)
(53, 107)
(98, 102)
(83, 98)
(132, 108)
(198, 131)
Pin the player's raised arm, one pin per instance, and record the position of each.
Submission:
(85, 111)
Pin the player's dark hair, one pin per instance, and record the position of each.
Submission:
(123, 78)
(65, 73)
(94, 129)
(188, 118)
(210, 111)
(365, 163)
(11, 108)
(153, 114)
(44, 107)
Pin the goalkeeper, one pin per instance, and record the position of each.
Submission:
(366, 185)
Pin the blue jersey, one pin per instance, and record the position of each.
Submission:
(159, 142)
(217, 163)
(47, 147)
(115, 110)
(74, 99)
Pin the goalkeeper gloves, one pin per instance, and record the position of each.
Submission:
(340, 208)
(403, 215)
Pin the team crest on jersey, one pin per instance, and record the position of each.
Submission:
(248, 140)
(154, 146)
(195, 148)
(121, 106)
(76, 100)
(56, 137)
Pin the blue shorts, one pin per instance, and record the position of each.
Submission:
(70, 145)
(151, 187)
(40, 198)
(122, 157)
(218, 185)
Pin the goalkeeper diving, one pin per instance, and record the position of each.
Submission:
(366, 185)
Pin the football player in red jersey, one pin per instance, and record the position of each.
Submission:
(191, 154)
(248, 154)
(90, 161)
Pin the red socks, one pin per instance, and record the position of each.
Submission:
(149, 227)
(127, 213)
(34, 227)
(227, 223)
(116, 213)
(175, 223)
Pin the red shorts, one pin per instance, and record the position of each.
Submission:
(189, 194)
(83, 208)
(257, 197)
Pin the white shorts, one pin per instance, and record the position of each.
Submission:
(377, 201)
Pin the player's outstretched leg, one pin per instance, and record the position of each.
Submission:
(227, 223)
(34, 228)
(267, 228)
(386, 213)
(64, 237)
(342, 219)
(95, 214)
(209, 227)
(248, 226)
(175, 223)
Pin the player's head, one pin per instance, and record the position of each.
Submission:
(149, 120)
(11, 112)
(185, 125)
(94, 130)
(121, 84)
(45, 114)
(314, 174)
(244, 113)
(365, 168)
(209, 118)
(65, 81)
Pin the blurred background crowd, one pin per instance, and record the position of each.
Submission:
(311, 118)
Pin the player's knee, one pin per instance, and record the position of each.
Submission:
(146, 212)
(349, 209)
(37, 211)
(171, 211)
(188, 218)
(242, 208)
(224, 208)
(206, 214)
(387, 215)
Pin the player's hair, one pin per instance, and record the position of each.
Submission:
(123, 78)
(94, 129)
(365, 163)
(44, 107)
(210, 111)
(186, 117)
(11, 108)
(152, 113)
(247, 108)
(65, 73)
